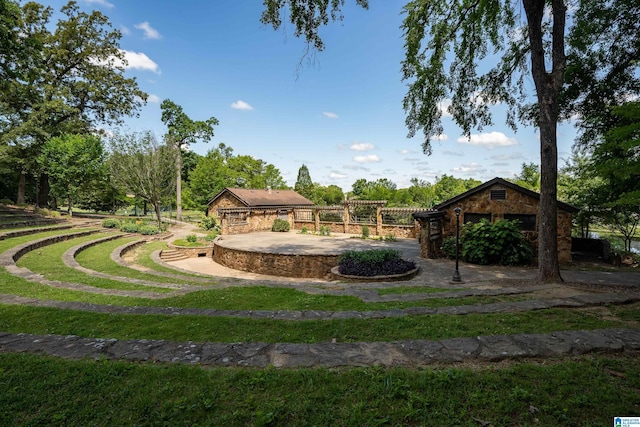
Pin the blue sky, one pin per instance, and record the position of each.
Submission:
(341, 114)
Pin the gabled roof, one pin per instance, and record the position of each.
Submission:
(265, 198)
(444, 205)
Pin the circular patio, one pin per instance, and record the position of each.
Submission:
(298, 255)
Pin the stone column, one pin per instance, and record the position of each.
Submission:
(379, 220)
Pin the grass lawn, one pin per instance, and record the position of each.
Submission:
(41, 390)
(582, 392)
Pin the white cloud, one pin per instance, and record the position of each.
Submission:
(134, 60)
(469, 169)
(356, 168)
(362, 146)
(452, 153)
(125, 30)
(512, 156)
(441, 137)
(104, 3)
(369, 158)
(330, 115)
(149, 31)
(489, 140)
(337, 175)
(407, 151)
(241, 105)
(155, 99)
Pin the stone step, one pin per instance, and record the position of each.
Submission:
(169, 255)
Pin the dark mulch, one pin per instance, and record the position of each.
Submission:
(386, 268)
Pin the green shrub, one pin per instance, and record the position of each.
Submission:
(192, 238)
(211, 235)
(6, 202)
(129, 227)
(373, 262)
(111, 223)
(365, 231)
(209, 223)
(325, 230)
(304, 230)
(500, 242)
(371, 256)
(148, 230)
(280, 225)
(390, 237)
(449, 247)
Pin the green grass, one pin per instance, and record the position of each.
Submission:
(41, 390)
(98, 258)
(48, 262)
(187, 244)
(15, 241)
(39, 320)
(142, 257)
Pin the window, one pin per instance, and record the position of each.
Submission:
(527, 222)
(475, 218)
(498, 194)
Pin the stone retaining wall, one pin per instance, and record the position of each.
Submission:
(274, 264)
(193, 252)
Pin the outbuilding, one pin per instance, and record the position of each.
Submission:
(493, 200)
(244, 210)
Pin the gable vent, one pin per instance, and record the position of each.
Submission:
(498, 194)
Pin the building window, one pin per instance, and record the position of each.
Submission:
(475, 218)
(498, 194)
(526, 222)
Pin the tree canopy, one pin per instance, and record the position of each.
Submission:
(62, 78)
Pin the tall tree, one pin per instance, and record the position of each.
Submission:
(144, 168)
(71, 162)
(182, 131)
(304, 184)
(529, 177)
(445, 40)
(617, 161)
(66, 78)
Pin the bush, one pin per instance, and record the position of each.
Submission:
(111, 223)
(6, 202)
(209, 223)
(210, 237)
(373, 262)
(192, 238)
(148, 230)
(304, 230)
(280, 225)
(500, 242)
(129, 227)
(390, 237)
(325, 230)
(365, 231)
(449, 247)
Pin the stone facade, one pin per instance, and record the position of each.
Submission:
(503, 200)
(398, 231)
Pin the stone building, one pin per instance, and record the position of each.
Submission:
(493, 200)
(243, 210)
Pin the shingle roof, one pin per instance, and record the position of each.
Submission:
(263, 198)
(561, 205)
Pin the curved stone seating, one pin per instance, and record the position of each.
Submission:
(35, 230)
(9, 258)
(118, 256)
(69, 259)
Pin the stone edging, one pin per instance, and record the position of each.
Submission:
(407, 353)
(388, 278)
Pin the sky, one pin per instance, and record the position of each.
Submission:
(338, 112)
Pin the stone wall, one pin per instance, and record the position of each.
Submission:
(514, 203)
(399, 231)
(287, 265)
(193, 252)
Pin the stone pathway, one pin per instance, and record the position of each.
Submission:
(408, 353)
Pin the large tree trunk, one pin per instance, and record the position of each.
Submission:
(22, 184)
(43, 191)
(179, 185)
(156, 208)
(548, 85)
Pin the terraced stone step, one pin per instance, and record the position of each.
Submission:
(170, 255)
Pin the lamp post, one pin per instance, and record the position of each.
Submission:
(456, 275)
